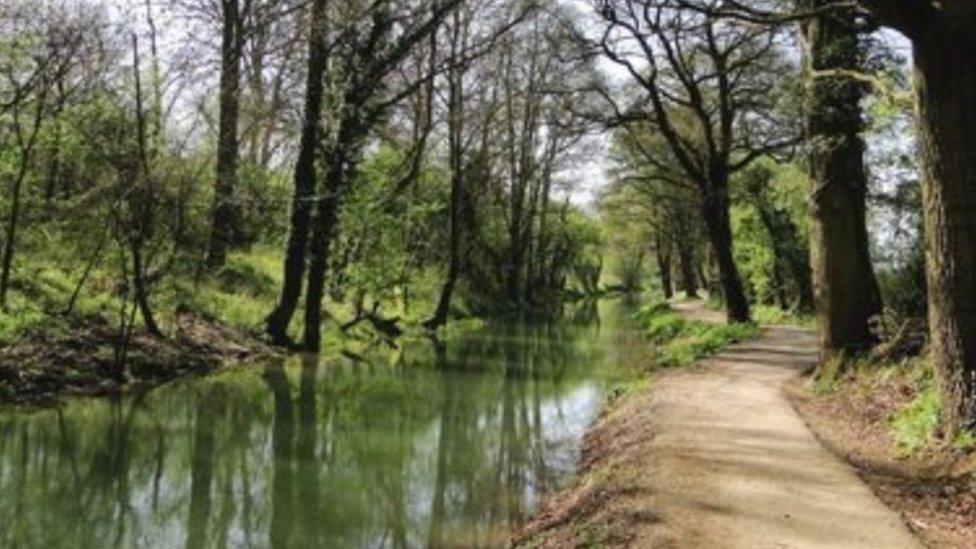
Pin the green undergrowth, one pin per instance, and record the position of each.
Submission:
(769, 315)
(766, 315)
(239, 295)
(914, 424)
(679, 342)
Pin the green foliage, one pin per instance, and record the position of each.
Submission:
(242, 293)
(767, 315)
(769, 193)
(964, 441)
(699, 340)
(915, 426)
(681, 342)
(753, 251)
(827, 378)
(388, 237)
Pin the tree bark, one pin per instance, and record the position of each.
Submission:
(455, 130)
(13, 221)
(946, 107)
(276, 325)
(715, 210)
(686, 258)
(323, 228)
(663, 254)
(224, 214)
(845, 286)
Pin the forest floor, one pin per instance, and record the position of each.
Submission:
(715, 455)
(80, 358)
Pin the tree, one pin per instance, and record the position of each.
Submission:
(791, 252)
(367, 47)
(942, 36)
(707, 90)
(234, 15)
(664, 205)
(459, 33)
(276, 324)
(846, 288)
(43, 50)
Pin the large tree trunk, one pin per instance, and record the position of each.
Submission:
(276, 325)
(946, 106)
(715, 210)
(13, 221)
(846, 290)
(224, 214)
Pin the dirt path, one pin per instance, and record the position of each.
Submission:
(715, 456)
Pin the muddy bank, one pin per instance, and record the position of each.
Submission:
(80, 357)
(935, 492)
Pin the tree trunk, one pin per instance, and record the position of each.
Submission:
(790, 255)
(323, 228)
(224, 214)
(455, 119)
(13, 222)
(454, 261)
(663, 254)
(715, 210)
(846, 290)
(141, 289)
(686, 258)
(276, 325)
(946, 108)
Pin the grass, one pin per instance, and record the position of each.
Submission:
(768, 315)
(681, 342)
(915, 426)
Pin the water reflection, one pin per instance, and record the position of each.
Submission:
(433, 445)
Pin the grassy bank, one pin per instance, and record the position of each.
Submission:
(70, 332)
(63, 332)
(676, 341)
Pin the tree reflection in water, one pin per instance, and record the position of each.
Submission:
(437, 444)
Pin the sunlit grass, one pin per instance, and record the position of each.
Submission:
(681, 342)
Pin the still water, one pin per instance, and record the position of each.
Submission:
(425, 446)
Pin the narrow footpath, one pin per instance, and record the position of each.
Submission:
(714, 456)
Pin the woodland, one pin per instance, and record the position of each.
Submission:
(299, 173)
